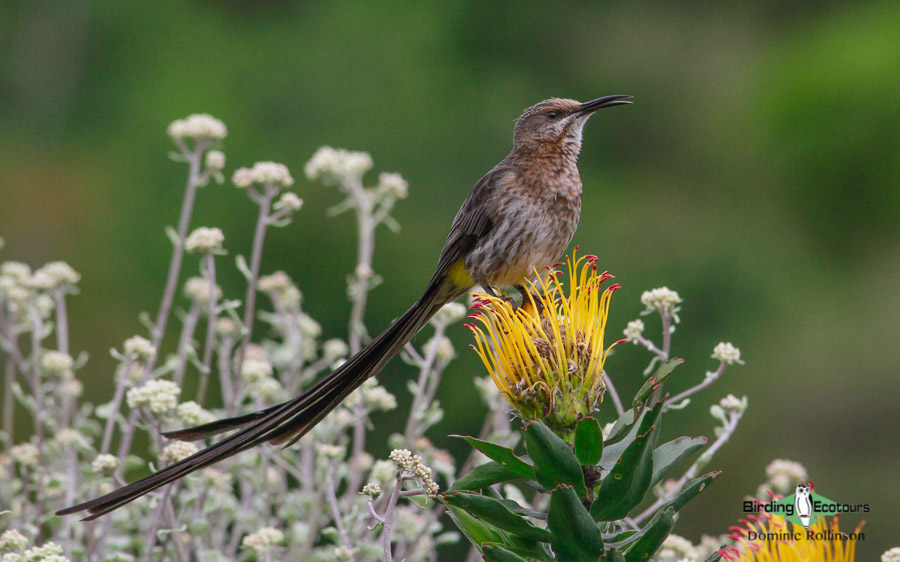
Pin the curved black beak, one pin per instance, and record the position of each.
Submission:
(589, 107)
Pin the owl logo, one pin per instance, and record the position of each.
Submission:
(803, 504)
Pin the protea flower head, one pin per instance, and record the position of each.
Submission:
(547, 356)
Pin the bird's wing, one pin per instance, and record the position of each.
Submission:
(473, 221)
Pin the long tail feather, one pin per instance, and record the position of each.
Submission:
(284, 423)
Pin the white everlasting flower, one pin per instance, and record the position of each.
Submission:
(215, 160)
(17, 271)
(190, 413)
(68, 436)
(57, 274)
(331, 451)
(892, 555)
(274, 283)
(288, 202)
(12, 540)
(159, 395)
(377, 398)
(634, 330)
(265, 174)
(200, 126)
(56, 362)
(203, 240)
(255, 369)
(264, 539)
(44, 304)
(71, 388)
(677, 549)
(783, 475)
(105, 463)
(448, 314)
(372, 489)
(50, 551)
(197, 289)
(332, 166)
(731, 403)
(226, 327)
(26, 454)
(267, 389)
(383, 471)
(661, 299)
(444, 350)
(412, 464)
(335, 349)
(309, 327)
(139, 347)
(727, 353)
(487, 390)
(393, 184)
(178, 450)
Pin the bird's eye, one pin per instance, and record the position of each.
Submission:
(552, 115)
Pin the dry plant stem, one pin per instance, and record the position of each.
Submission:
(36, 375)
(711, 377)
(389, 519)
(264, 201)
(727, 431)
(210, 329)
(184, 341)
(9, 403)
(610, 387)
(116, 406)
(331, 496)
(420, 400)
(225, 348)
(195, 179)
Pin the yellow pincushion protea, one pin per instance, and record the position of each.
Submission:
(547, 356)
(771, 539)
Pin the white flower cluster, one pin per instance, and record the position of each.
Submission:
(159, 395)
(265, 174)
(782, 476)
(376, 397)
(393, 185)
(892, 555)
(199, 126)
(215, 160)
(443, 348)
(54, 274)
(254, 369)
(372, 489)
(331, 451)
(190, 413)
(289, 202)
(278, 286)
(263, 540)
(412, 464)
(49, 552)
(197, 289)
(634, 330)
(335, 349)
(662, 299)
(676, 549)
(57, 362)
(139, 347)
(178, 450)
(26, 454)
(104, 463)
(203, 240)
(383, 471)
(448, 314)
(15, 281)
(12, 540)
(727, 353)
(732, 403)
(69, 437)
(333, 166)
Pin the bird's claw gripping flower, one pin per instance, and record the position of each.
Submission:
(547, 360)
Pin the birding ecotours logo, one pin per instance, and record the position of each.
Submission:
(804, 507)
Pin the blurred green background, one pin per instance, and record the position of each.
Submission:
(757, 173)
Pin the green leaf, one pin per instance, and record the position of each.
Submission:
(669, 455)
(588, 442)
(503, 455)
(613, 555)
(652, 536)
(657, 379)
(477, 532)
(691, 490)
(494, 512)
(554, 463)
(496, 553)
(484, 475)
(625, 485)
(619, 429)
(573, 533)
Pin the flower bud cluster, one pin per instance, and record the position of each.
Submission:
(178, 450)
(159, 395)
(332, 166)
(200, 126)
(727, 353)
(412, 464)
(264, 174)
(263, 540)
(204, 240)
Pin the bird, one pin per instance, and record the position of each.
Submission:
(517, 219)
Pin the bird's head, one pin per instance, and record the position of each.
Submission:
(556, 123)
